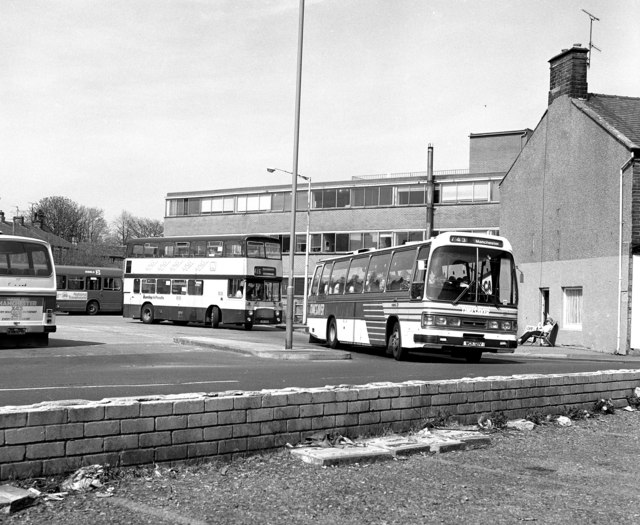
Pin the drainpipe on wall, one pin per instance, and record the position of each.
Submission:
(430, 195)
(623, 168)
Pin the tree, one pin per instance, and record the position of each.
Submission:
(62, 216)
(94, 227)
(127, 226)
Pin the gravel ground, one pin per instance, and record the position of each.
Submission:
(586, 473)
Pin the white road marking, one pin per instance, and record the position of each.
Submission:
(112, 386)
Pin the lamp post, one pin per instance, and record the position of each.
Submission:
(308, 243)
(288, 342)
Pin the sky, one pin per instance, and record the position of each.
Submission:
(115, 103)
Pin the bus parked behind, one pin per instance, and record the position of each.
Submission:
(204, 279)
(455, 294)
(27, 288)
(88, 289)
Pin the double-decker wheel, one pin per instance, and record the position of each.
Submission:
(332, 334)
(146, 314)
(93, 308)
(394, 343)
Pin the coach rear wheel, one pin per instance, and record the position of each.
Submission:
(394, 343)
(93, 308)
(332, 334)
(146, 314)
(215, 318)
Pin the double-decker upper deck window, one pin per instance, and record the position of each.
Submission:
(255, 249)
(214, 248)
(182, 249)
(273, 250)
(150, 250)
(233, 249)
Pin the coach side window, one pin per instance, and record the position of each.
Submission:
(357, 272)
(377, 273)
(324, 279)
(316, 280)
(338, 277)
(400, 270)
(419, 273)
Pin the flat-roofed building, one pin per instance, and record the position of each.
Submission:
(370, 211)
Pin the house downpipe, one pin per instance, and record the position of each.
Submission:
(623, 168)
(428, 233)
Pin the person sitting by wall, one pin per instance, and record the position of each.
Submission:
(539, 331)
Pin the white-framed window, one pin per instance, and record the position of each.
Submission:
(572, 308)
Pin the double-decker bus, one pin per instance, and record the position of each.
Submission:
(88, 289)
(204, 279)
(27, 288)
(456, 293)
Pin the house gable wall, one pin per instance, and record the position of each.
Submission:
(560, 209)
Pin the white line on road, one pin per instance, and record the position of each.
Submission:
(112, 386)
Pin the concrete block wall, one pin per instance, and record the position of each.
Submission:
(54, 438)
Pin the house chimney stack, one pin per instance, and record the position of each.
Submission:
(569, 73)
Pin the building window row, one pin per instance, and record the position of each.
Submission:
(336, 198)
(331, 242)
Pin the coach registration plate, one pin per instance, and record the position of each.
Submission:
(473, 343)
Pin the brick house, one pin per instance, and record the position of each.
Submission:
(570, 205)
(60, 248)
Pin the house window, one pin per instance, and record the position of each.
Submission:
(572, 306)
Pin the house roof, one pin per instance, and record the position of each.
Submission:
(25, 230)
(620, 116)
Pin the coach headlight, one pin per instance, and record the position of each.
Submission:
(507, 326)
(427, 320)
(493, 325)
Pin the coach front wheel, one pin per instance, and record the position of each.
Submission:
(394, 343)
(473, 356)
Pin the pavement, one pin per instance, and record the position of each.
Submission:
(319, 352)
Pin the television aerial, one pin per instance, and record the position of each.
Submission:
(591, 44)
